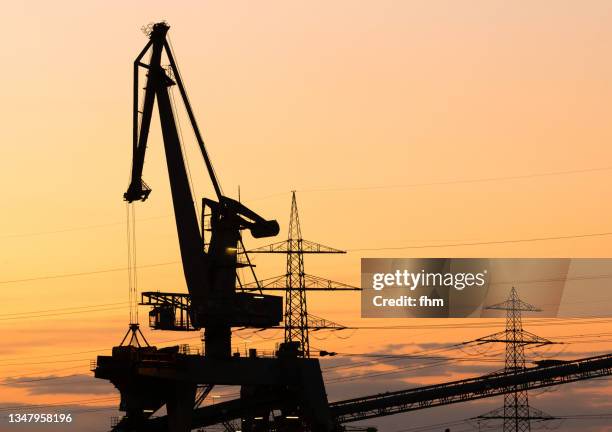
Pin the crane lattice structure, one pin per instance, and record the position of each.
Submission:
(295, 282)
(516, 412)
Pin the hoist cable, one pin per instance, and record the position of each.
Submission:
(211, 170)
(132, 272)
(185, 157)
(134, 304)
(129, 257)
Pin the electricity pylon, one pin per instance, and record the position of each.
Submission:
(295, 282)
(516, 412)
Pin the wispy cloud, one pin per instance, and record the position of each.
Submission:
(53, 384)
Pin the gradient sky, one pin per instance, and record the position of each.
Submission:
(360, 106)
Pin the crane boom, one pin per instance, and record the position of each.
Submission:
(210, 274)
(190, 240)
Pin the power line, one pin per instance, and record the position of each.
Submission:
(67, 403)
(422, 246)
(395, 371)
(45, 362)
(441, 360)
(65, 309)
(62, 313)
(430, 427)
(432, 350)
(25, 374)
(338, 189)
(85, 273)
(89, 308)
(437, 426)
(91, 351)
(77, 228)
(414, 355)
(418, 355)
(391, 372)
(483, 359)
(460, 181)
(483, 243)
(44, 378)
(536, 322)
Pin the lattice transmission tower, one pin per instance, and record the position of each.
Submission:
(516, 413)
(295, 282)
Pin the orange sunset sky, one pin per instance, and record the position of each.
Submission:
(399, 123)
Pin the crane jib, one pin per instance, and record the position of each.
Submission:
(210, 274)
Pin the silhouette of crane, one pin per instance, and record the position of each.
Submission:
(213, 301)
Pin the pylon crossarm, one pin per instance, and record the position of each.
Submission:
(312, 247)
(322, 283)
(518, 343)
(495, 337)
(275, 282)
(498, 413)
(522, 337)
(311, 283)
(277, 247)
(317, 323)
(303, 246)
(528, 337)
(521, 306)
(514, 303)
